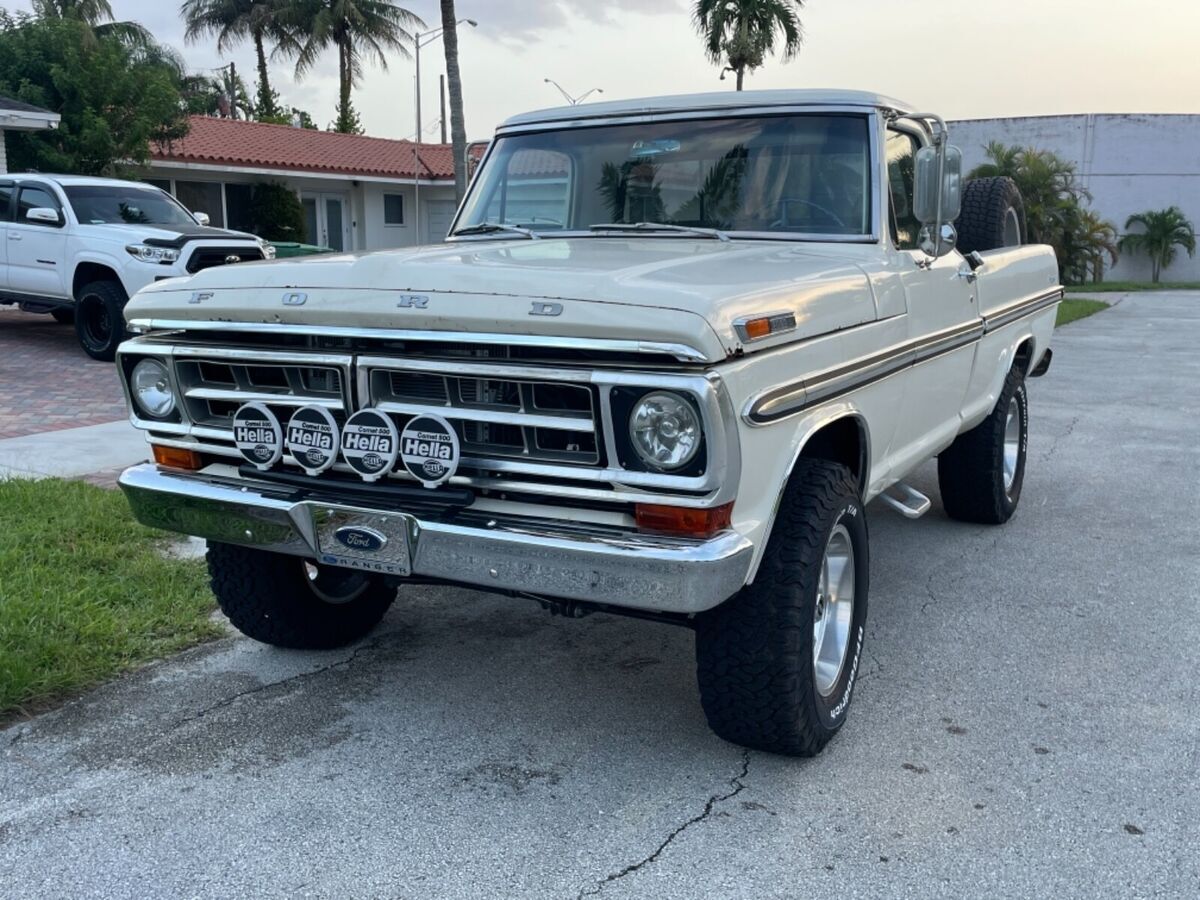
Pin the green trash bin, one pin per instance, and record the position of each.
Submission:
(285, 249)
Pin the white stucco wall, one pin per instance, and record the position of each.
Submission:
(1129, 163)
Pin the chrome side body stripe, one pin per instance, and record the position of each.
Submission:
(796, 396)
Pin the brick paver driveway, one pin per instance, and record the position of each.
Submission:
(47, 382)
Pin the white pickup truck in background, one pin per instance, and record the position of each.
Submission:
(79, 248)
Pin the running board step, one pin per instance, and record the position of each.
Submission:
(912, 504)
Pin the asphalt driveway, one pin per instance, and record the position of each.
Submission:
(1027, 722)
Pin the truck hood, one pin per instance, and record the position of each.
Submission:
(168, 235)
(648, 289)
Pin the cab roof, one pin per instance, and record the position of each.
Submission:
(715, 102)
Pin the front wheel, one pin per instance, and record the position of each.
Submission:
(288, 601)
(100, 319)
(777, 663)
(980, 475)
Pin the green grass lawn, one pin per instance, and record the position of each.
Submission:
(1111, 287)
(1072, 310)
(85, 592)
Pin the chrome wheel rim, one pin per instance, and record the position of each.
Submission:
(1012, 228)
(834, 611)
(334, 586)
(1012, 444)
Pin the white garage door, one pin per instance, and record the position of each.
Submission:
(438, 216)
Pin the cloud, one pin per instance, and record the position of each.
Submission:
(506, 19)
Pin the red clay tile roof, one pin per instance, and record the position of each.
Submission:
(229, 142)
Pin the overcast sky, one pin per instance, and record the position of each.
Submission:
(967, 59)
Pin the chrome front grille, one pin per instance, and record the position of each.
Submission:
(525, 428)
(212, 390)
(496, 416)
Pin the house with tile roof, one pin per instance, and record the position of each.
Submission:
(18, 116)
(358, 192)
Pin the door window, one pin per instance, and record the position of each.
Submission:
(901, 155)
(333, 223)
(6, 193)
(32, 197)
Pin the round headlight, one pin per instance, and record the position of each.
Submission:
(151, 385)
(665, 430)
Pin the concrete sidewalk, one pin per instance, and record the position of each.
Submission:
(73, 452)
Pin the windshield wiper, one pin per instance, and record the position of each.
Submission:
(493, 227)
(661, 226)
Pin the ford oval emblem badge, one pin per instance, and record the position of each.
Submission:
(363, 540)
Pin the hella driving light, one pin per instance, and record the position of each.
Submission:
(162, 255)
(665, 430)
(150, 384)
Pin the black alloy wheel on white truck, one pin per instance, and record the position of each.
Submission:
(100, 319)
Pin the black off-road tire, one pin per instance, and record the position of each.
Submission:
(754, 653)
(63, 315)
(271, 597)
(971, 470)
(100, 319)
(992, 217)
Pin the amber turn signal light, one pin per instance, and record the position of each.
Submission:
(177, 458)
(682, 520)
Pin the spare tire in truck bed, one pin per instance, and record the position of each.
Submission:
(993, 215)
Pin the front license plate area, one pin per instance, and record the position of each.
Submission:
(361, 540)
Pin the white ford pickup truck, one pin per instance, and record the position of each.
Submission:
(79, 247)
(670, 351)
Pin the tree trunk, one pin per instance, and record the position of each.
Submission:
(345, 121)
(458, 126)
(741, 75)
(266, 99)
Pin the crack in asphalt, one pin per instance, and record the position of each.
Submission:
(300, 676)
(1053, 448)
(738, 782)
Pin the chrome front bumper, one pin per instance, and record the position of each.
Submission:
(648, 572)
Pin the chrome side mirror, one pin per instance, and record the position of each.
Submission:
(937, 195)
(941, 248)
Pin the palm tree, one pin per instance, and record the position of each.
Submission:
(361, 30)
(1098, 237)
(1162, 231)
(742, 33)
(232, 21)
(1005, 162)
(458, 125)
(97, 15)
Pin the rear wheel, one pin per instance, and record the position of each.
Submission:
(777, 663)
(99, 319)
(288, 601)
(980, 475)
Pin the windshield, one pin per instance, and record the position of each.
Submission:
(794, 174)
(120, 205)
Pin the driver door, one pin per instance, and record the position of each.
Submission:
(36, 250)
(943, 315)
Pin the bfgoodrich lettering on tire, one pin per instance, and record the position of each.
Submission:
(778, 662)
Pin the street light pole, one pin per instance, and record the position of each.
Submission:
(421, 40)
(574, 101)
